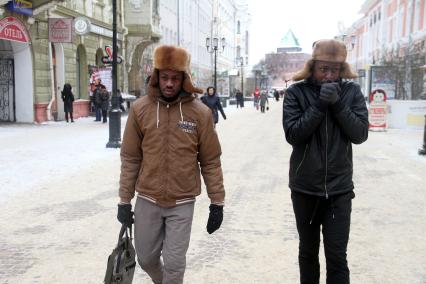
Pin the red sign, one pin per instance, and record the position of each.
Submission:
(12, 29)
(60, 29)
(377, 110)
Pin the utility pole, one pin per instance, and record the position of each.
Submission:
(115, 113)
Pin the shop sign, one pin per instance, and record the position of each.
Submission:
(60, 30)
(12, 29)
(108, 59)
(81, 25)
(24, 7)
(377, 110)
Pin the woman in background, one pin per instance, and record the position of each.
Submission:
(68, 98)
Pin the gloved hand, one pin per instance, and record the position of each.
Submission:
(125, 214)
(215, 218)
(330, 92)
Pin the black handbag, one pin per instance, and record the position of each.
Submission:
(121, 262)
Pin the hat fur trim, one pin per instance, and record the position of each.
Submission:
(329, 50)
(170, 57)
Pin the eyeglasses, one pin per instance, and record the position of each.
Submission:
(332, 70)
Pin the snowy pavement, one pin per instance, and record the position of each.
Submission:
(59, 192)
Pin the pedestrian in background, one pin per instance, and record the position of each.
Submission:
(239, 98)
(322, 116)
(120, 100)
(256, 97)
(104, 97)
(169, 137)
(97, 98)
(68, 99)
(263, 100)
(211, 100)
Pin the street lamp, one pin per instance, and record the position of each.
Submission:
(240, 63)
(115, 113)
(212, 45)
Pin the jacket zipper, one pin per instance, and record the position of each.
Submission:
(167, 149)
(304, 155)
(326, 154)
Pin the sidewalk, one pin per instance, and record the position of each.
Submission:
(59, 194)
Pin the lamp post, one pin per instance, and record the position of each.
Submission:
(212, 45)
(240, 62)
(115, 113)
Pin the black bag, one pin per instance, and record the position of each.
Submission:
(121, 262)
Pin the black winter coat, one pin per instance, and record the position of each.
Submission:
(68, 98)
(214, 104)
(322, 137)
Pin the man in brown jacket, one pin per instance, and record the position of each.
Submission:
(169, 137)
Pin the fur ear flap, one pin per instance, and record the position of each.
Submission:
(188, 86)
(305, 72)
(346, 72)
(154, 80)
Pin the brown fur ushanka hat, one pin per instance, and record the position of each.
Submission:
(329, 50)
(173, 58)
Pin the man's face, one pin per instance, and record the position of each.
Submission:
(170, 82)
(326, 71)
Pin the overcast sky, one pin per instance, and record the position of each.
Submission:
(309, 20)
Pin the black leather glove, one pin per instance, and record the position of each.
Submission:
(330, 92)
(125, 214)
(215, 218)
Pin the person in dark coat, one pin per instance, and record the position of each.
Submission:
(104, 98)
(120, 100)
(322, 117)
(211, 100)
(68, 99)
(97, 98)
(239, 98)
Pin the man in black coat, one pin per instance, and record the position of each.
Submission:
(322, 117)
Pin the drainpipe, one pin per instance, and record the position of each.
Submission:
(52, 107)
(125, 86)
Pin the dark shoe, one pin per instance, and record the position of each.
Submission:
(72, 120)
(104, 121)
(96, 120)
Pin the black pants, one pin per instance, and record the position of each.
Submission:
(104, 115)
(262, 108)
(334, 215)
(66, 116)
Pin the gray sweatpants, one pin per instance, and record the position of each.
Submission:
(162, 232)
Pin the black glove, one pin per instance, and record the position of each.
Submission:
(330, 92)
(125, 214)
(215, 218)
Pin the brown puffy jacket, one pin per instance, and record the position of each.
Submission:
(164, 147)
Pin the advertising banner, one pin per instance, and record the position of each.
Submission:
(384, 78)
(103, 73)
(377, 110)
(60, 29)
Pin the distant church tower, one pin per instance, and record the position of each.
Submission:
(289, 43)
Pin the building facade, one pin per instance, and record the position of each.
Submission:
(65, 42)
(387, 47)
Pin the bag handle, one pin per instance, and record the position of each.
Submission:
(123, 231)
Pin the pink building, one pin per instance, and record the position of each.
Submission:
(387, 47)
